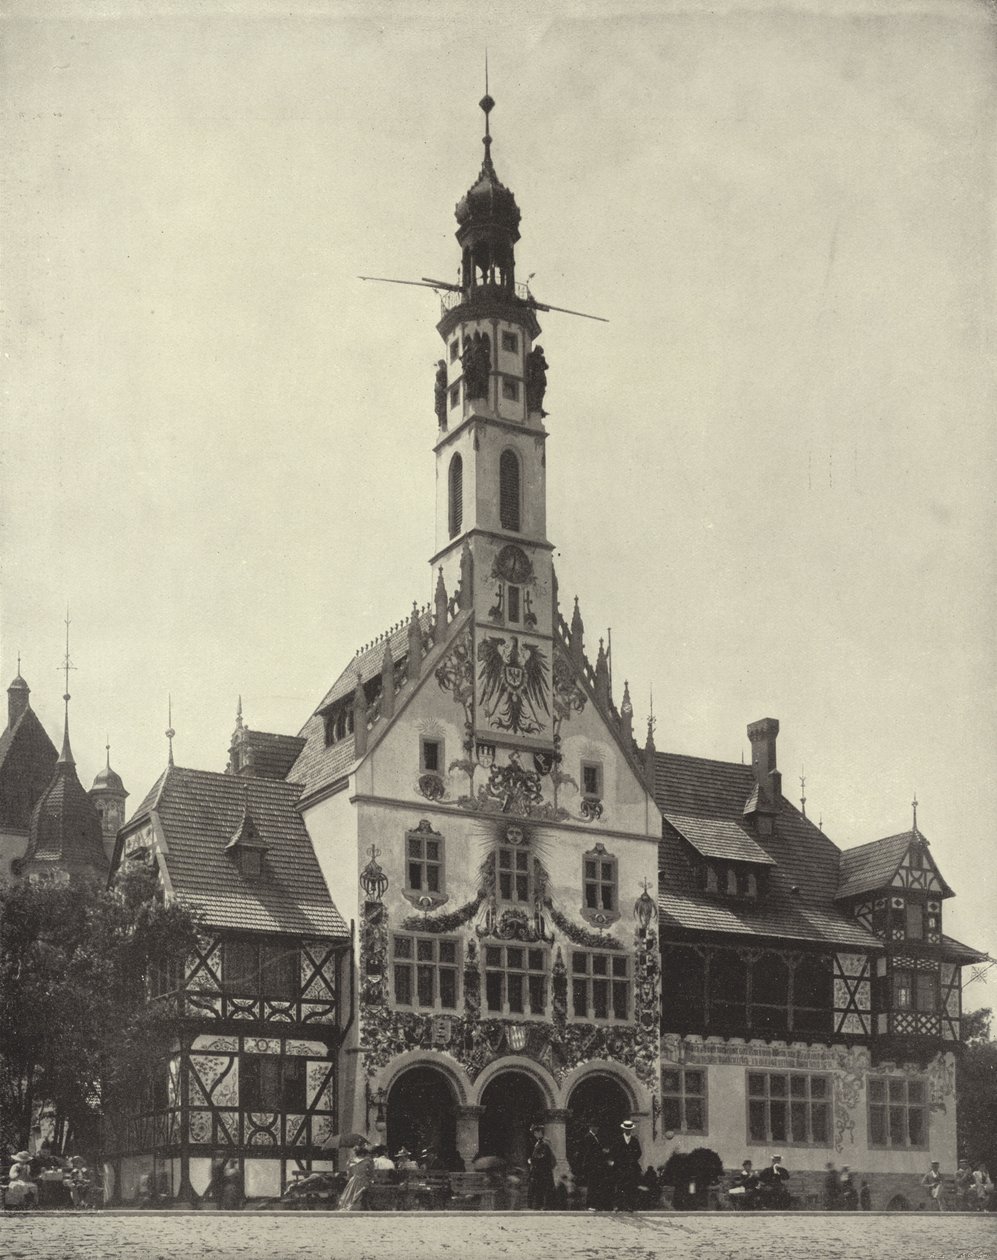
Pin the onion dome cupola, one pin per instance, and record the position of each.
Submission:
(109, 795)
(488, 220)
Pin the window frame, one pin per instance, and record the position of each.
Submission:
(510, 342)
(527, 972)
(600, 913)
(826, 1100)
(438, 742)
(508, 460)
(611, 978)
(502, 848)
(412, 963)
(510, 389)
(597, 793)
(266, 954)
(289, 1071)
(455, 494)
(887, 1104)
(424, 896)
(681, 1096)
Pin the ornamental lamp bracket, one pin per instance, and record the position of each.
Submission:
(373, 880)
(645, 910)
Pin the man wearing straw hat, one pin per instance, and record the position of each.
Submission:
(624, 1161)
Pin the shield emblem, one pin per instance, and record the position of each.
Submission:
(543, 762)
(514, 677)
(517, 1037)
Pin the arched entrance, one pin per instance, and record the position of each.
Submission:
(512, 1101)
(421, 1112)
(598, 1099)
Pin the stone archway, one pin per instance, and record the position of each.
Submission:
(600, 1099)
(511, 1101)
(422, 1112)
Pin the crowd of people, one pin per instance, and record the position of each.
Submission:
(47, 1180)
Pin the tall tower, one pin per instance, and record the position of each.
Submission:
(491, 519)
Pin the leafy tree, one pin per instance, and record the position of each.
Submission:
(76, 1027)
(977, 1090)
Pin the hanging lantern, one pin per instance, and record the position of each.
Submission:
(644, 910)
(373, 880)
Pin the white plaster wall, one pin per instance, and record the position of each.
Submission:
(332, 826)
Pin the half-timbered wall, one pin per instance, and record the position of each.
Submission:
(853, 994)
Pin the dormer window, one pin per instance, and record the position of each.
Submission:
(251, 861)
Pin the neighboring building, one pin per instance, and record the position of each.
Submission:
(108, 795)
(27, 762)
(255, 1074)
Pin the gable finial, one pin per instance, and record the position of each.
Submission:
(170, 732)
(107, 749)
(803, 790)
(913, 806)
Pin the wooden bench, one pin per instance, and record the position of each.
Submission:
(427, 1189)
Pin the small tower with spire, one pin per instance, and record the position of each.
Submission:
(65, 837)
(108, 795)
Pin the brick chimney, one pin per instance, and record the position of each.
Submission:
(762, 735)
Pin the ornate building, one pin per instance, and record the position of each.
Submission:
(555, 923)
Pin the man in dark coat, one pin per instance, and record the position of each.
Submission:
(624, 1158)
(540, 1188)
(773, 1182)
(598, 1192)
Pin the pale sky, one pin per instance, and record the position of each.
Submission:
(772, 473)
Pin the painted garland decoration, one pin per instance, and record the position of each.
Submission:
(444, 922)
(579, 935)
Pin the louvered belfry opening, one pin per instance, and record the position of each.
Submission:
(509, 491)
(456, 495)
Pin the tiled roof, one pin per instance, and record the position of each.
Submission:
(320, 764)
(65, 828)
(271, 756)
(27, 760)
(719, 838)
(870, 866)
(802, 882)
(200, 811)
(955, 951)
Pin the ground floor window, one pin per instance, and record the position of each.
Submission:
(515, 980)
(897, 1112)
(793, 1108)
(683, 1100)
(271, 1082)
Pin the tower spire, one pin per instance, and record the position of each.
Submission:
(66, 756)
(913, 806)
(487, 105)
(170, 732)
(803, 790)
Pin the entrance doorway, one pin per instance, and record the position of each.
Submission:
(512, 1101)
(421, 1112)
(601, 1100)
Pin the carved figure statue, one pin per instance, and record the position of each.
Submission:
(476, 363)
(536, 379)
(440, 393)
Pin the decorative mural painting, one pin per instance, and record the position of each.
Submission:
(513, 789)
(513, 685)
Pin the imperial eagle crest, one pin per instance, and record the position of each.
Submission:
(513, 685)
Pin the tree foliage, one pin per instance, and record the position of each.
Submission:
(977, 1090)
(76, 1028)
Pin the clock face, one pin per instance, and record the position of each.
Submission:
(512, 564)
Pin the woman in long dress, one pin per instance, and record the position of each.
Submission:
(360, 1171)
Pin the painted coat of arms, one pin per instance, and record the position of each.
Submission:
(513, 685)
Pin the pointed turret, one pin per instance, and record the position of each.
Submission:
(627, 716)
(602, 678)
(17, 697)
(108, 795)
(415, 639)
(577, 636)
(387, 681)
(649, 750)
(441, 606)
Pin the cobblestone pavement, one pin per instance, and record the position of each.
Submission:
(213, 1235)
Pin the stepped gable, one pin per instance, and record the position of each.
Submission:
(867, 867)
(319, 763)
(707, 798)
(199, 812)
(27, 760)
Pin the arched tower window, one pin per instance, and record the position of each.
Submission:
(509, 491)
(456, 495)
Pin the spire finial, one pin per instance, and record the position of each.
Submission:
(67, 753)
(487, 105)
(913, 806)
(803, 790)
(170, 732)
(107, 748)
(238, 714)
(19, 662)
